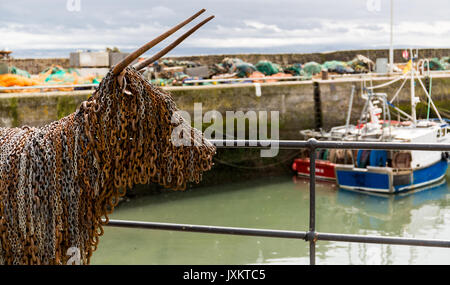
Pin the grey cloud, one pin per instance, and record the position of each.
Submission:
(109, 22)
(372, 27)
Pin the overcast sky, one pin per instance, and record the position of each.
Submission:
(239, 26)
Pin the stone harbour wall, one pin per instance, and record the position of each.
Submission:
(293, 100)
(36, 65)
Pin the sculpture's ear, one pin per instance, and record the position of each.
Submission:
(118, 68)
(140, 65)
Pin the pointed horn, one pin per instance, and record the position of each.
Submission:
(160, 54)
(131, 57)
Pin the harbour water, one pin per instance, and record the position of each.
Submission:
(278, 203)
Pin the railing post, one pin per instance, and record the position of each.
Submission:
(312, 201)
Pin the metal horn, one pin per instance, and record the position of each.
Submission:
(160, 54)
(131, 57)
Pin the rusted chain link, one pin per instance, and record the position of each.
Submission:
(57, 182)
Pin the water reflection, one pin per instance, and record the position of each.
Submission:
(421, 214)
(278, 203)
(381, 210)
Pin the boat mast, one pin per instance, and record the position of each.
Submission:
(391, 47)
(413, 95)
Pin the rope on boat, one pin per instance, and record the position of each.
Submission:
(386, 84)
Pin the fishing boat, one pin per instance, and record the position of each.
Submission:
(385, 171)
(324, 168)
(325, 161)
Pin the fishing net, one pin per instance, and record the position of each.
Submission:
(217, 68)
(337, 66)
(244, 69)
(361, 64)
(267, 67)
(257, 74)
(18, 71)
(276, 76)
(173, 63)
(59, 181)
(446, 62)
(435, 64)
(238, 66)
(9, 80)
(293, 69)
(229, 63)
(58, 75)
(311, 68)
(54, 75)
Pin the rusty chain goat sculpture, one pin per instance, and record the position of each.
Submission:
(58, 183)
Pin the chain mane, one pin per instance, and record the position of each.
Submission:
(58, 182)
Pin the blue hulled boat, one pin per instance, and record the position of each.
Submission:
(391, 171)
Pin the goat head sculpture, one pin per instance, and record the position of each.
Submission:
(58, 183)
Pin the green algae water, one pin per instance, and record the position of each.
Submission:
(278, 203)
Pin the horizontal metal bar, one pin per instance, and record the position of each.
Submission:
(437, 73)
(207, 229)
(55, 86)
(307, 236)
(375, 75)
(383, 240)
(312, 143)
(244, 79)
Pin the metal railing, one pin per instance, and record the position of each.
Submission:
(264, 78)
(53, 86)
(311, 236)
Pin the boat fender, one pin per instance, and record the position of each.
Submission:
(378, 158)
(401, 160)
(332, 155)
(340, 154)
(363, 158)
(325, 154)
